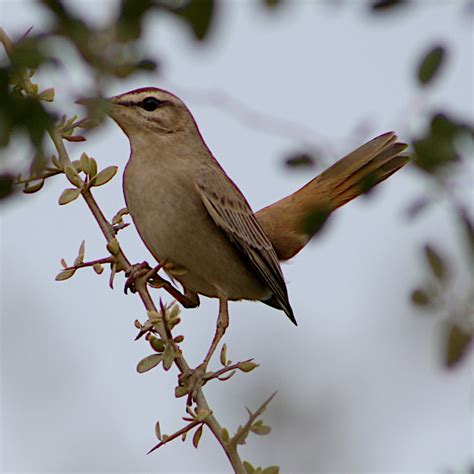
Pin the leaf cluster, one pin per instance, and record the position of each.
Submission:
(437, 294)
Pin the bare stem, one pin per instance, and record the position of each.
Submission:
(99, 261)
(244, 431)
(175, 435)
(228, 368)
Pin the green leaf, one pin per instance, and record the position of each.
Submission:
(73, 176)
(300, 160)
(158, 430)
(431, 64)
(84, 163)
(98, 268)
(249, 469)
(387, 5)
(6, 185)
(225, 435)
(180, 391)
(272, 4)
(92, 167)
(437, 147)
(198, 14)
(168, 357)
(68, 195)
(147, 65)
(223, 355)
(113, 247)
(271, 470)
(104, 176)
(65, 274)
(154, 317)
(247, 366)
(81, 253)
(27, 54)
(156, 344)
(458, 342)
(419, 297)
(197, 436)
(129, 22)
(436, 263)
(33, 188)
(260, 429)
(47, 95)
(468, 227)
(148, 363)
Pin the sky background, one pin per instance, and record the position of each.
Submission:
(361, 386)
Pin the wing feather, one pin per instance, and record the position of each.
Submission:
(230, 211)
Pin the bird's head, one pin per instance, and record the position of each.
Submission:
(146, 110)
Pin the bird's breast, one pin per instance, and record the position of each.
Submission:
(172, 221)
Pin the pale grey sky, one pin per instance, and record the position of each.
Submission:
(360, 380)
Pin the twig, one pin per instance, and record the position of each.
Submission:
(244, 431)
(228, 368)
(175, 435)
(91, 263)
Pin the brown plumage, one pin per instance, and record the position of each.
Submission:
(368, 165)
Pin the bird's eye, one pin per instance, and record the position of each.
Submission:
(151, 103)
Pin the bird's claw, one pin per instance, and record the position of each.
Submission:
(135, 272)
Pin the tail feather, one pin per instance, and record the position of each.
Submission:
(349, 177)
(368, 175)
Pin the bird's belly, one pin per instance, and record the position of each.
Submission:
(176, 228)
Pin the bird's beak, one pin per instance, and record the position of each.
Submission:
(96, 104)
(97, 108)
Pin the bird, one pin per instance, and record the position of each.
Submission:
(199, 226)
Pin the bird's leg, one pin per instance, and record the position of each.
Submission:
(188, 300)
(221, 326)
(150, 275)
(197, 378)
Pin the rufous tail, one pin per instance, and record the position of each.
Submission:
(291, 222)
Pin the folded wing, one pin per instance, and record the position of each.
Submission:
(231, 212)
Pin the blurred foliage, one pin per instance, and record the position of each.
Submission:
(458, 341)
(387, 5)
(315, 220)
(109, 51)
(438, 146)
(438, 295)
(430, 64)
(301, 160)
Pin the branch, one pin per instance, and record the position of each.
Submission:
(243, 432)
(175, 435)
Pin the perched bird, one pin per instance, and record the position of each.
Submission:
(197, 223)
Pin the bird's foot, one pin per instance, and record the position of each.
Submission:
(138, 271)
(150, 275)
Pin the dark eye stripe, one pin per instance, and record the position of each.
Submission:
(134, 103)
